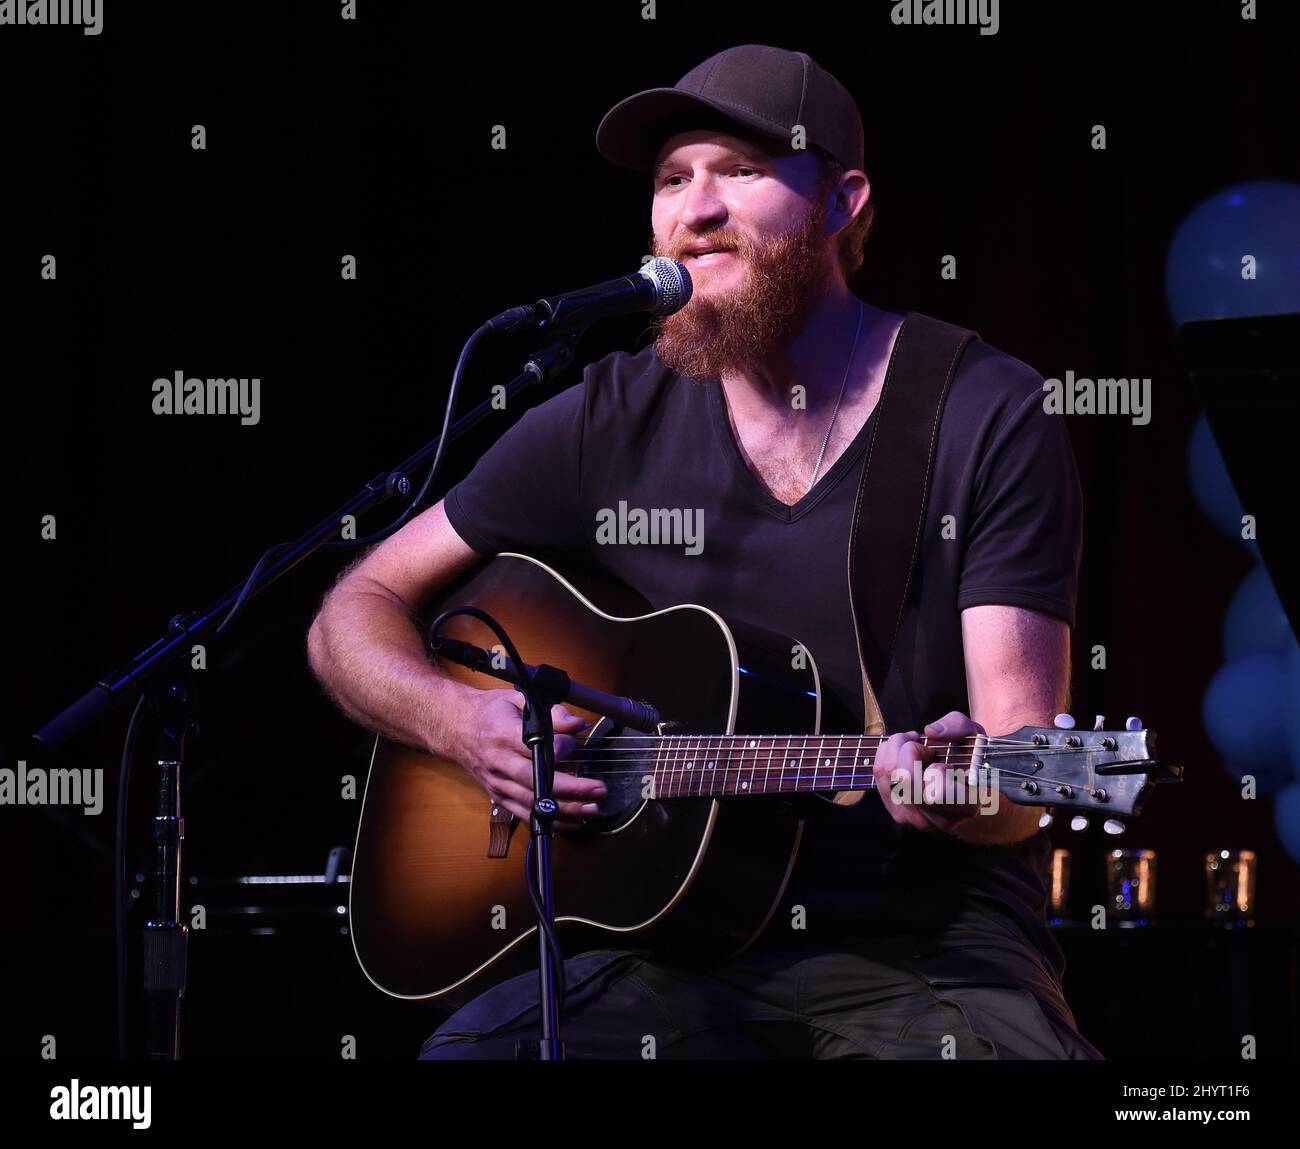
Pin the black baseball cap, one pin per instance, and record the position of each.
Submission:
(763, 90)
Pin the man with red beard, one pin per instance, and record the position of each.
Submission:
(907, 930)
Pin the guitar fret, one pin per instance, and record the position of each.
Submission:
(701, 765)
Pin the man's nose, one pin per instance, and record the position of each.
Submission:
(702, 206)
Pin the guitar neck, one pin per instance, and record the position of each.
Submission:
(717, 765)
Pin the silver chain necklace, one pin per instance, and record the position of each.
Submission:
(826, 441)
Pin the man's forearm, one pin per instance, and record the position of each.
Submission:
(370, 658)
(1009, 825)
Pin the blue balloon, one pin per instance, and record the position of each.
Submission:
(1270, 774)
(1203, 270)
(1286, 818)
(1293, 706)
(1211, 487)
(1245, 711)
(1256, 622)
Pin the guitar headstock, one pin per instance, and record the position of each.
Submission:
(1109, 773)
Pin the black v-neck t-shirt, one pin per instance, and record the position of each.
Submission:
(1003, 525)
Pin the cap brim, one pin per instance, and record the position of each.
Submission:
(634, 130)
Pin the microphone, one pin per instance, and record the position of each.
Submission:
(661, 286)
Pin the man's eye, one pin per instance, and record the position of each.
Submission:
(743, 168)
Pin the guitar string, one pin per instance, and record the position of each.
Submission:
(993, 739)
(668, 769)
(658, 749)
(676, 744)
(868, 781)
(631, 753)
(756, 752)
(833, 762)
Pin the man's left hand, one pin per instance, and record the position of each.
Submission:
(906, 767)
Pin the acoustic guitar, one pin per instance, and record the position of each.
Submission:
(694, 844)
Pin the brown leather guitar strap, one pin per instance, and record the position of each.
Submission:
(885, 532)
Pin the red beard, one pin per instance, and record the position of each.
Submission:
(782, 284)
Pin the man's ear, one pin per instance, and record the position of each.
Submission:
(854, 186)
(839, 200)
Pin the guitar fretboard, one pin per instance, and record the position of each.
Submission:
(716, 765)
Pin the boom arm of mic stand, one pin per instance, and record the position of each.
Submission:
(625, 711)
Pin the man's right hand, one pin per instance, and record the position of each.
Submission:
(490, 748)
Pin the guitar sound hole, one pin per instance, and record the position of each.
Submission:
(621, 757)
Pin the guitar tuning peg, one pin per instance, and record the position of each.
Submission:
(1133, 724)
(1078, 822)
(1113, 826)
(1100, 723)
(1064, 721)
(1045, 819)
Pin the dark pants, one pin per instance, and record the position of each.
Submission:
(776, 1003)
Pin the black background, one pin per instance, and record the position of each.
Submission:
(372, 138)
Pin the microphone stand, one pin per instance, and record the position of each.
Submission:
(539, 736)
(160, 671)
(543, 686)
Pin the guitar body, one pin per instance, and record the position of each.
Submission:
(432, 908)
